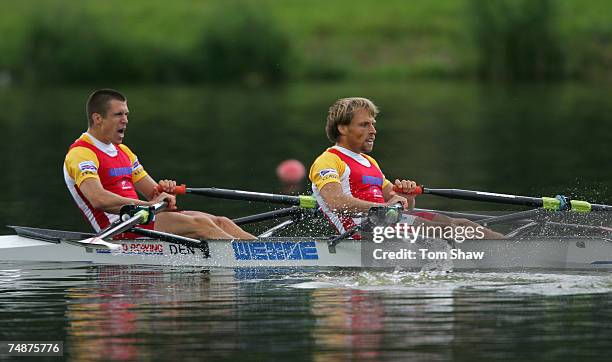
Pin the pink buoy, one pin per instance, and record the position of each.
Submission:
(291, 171)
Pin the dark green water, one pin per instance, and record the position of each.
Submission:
(532, 140)
(529, 139)
(137, 313)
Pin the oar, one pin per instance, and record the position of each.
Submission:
(558, 203)
(171, 238)
(303, 201)
(293, 211)
(140, 217)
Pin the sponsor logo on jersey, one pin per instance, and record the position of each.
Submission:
(120, 171)
(126, 185)
(88, 167)
(135, 165)
(328, 173)
(371, 180)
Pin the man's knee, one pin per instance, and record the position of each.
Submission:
(464, 222)
(203, 222)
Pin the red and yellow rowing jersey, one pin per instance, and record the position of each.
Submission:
(116, 166)
(358, 174)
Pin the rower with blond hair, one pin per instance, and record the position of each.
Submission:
(347, 181)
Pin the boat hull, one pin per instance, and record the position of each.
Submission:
(575, 253)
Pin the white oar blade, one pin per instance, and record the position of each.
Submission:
(97, 243)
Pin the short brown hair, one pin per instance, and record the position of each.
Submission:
(99, 102)
(342, 112)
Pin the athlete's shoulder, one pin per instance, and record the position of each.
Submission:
(81, 160)
(80, 153)
(131, 155)
(327, 159)
(125, 148)
(371, 159)
(328, 155)
(82, 141)
(81, 163)
(327, 167)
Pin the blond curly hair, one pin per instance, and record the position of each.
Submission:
(342, 112)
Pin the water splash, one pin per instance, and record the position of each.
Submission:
(442, 283)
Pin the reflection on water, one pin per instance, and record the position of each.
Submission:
(130, 312)
(143, 313)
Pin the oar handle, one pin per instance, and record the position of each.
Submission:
(159, 207)
(417, 191)
(141, 216)
(178, 190)
(146, 212)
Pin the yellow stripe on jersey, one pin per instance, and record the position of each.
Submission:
(81, 163)
(327, 168)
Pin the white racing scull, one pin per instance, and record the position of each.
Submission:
(32, 244)
(592, 250)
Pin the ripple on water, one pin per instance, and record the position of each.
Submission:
(526, 282)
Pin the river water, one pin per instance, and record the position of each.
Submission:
(143, 313)
(526, 139)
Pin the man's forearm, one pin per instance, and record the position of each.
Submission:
(349, 205)
(112, 203)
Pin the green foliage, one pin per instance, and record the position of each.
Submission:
(259, 41)
(242, 43)
(71, 46)
(67, 45)
(517, 39)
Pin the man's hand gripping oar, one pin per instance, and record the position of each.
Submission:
(130, 217)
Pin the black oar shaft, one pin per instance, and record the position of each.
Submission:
(172, 238)
(302, 201)
(545, 202)
(455, 214)
(599, 207)
(245, 195)
(269, 215)
(486, 196)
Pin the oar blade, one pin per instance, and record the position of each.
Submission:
(96, 243)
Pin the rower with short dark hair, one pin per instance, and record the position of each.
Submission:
(102, 175)
(347, 181)
(99, 102)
